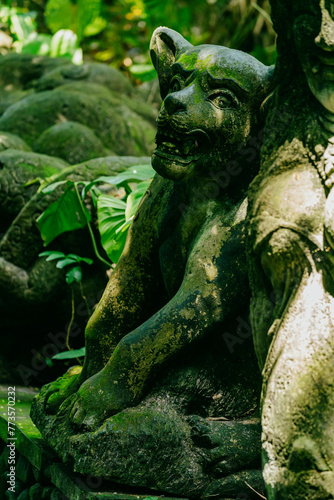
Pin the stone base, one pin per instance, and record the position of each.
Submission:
(39, 474)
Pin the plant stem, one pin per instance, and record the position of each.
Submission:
(91, 230)
(84, 298)
(71, 322)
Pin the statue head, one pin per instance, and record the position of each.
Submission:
(212, 99)
(308, 27)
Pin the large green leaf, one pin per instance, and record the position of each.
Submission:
(37, 44)
(88, 10)
(73, 15)
(60, 14)
(63, 43)
(133, 174)
(111, 217)
(115, 216)
(75, 353)
(74, 274)
(65, 214)
(134, 198)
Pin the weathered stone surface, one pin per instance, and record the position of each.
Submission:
(12, 141)
(119, 128)
(17, 168)
(291, 258)
(22, 70)
(97, 73)
(167, 396)
(72, 142)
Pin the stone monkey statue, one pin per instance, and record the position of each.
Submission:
(160, 360)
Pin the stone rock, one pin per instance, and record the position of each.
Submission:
(72, 142)
(118, 127)
(22, 70)
(12, 141)
(98, 73)
(17, 169)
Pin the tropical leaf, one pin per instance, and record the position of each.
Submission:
(75, 353)
(115, 217)
(133, 174)
(134, 198)
(63, 43)
(74, 275)
(65, 214)
(52, 255)
(60, 14)
(65, 262)
(111, 216)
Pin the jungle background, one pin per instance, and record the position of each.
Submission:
(118, 32)
(78, 102)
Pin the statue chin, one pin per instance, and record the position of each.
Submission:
(169, 167)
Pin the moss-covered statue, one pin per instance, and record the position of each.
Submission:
(168, 392)
(291, 224)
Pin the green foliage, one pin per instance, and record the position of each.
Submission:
(115, 217)
(69, 213)
(73, 15)
(144, 72)
(65, 214)
(119, 32)
(74, 274)
(74, 353)
(26, 39)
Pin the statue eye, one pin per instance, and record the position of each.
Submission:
(223, 100)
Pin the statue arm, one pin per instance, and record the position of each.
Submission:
(212, 289)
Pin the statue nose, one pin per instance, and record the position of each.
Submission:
(325, 39)
(173, 103)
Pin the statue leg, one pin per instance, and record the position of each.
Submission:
(134, 293)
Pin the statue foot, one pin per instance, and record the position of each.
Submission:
(97, 399)
(59, 390)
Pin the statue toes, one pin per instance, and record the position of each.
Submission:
(78, 414)
(51, 403)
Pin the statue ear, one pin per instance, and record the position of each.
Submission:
(165, 47)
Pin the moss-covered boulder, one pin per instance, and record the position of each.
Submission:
(12, 141)
(99, 73)
(22, 70)
(138, 105)
(10, 95)
(17, 168)
(118, 127)
(71, 141)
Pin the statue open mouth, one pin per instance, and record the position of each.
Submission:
(180, 147)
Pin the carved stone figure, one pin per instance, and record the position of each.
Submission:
(168, 392)
(291, 214)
